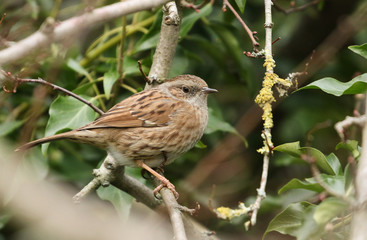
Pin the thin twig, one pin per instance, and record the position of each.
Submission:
(19, 81)
(250, 33)
(146, 79)
(347, 122)
(295, 9)
(87, 189)
(267, 130)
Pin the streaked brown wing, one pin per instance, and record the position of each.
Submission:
(145, 109)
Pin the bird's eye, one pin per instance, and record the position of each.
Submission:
(185, 89)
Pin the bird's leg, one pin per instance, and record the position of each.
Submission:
(165, 181)
(163, 163)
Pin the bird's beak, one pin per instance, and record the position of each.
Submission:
(209, 90)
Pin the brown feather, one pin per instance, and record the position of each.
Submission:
(138, 111)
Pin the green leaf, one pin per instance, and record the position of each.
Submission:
(334, 162)
(295, 150)
(68, 113)
(328, 209)
(119, 199)
(109, 79)
(336, 183)
(349, 181)
(350, 145)
(217, 124)
(76, 67)
(360, 49)
(150, 39)
(298, 184)
(241, 5)
(290, 220)
(189, 21)
(337, 88)
(8, 127)
(292, 149)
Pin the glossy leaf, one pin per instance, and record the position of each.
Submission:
(295, 150)
(67, 113)
(360, 49)
(334, 162)
(189, 21)
(76, 67)
(337, 88)
(241, 5)
(336, 183)
(298, 184)
(350, 145)
(109, 79)
(328, 209)
(290, 220)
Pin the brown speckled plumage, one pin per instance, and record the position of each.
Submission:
(152, 126)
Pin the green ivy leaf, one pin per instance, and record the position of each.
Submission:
(328, 209)
(337, 88)
(295, 150)
(298, 184)
(76, 67)
(241, 5)
(334, 182)
(189, 21)
(109, 79)
(350, 145)
(68, 113)
(360, 49)
(334, 162)
(119, 199)
(290, 220)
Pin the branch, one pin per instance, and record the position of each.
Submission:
(19, 81)
(174, 213)
(110, 172)
(69, 29)
(166, 47)
(347, 122)
(360, 214)
(250, 33)
(265, 103)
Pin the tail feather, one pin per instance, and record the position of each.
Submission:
(44, 140)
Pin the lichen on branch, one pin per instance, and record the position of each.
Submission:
(266, 97)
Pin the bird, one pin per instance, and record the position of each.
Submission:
(148, 129)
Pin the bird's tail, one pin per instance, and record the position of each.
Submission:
(44, 140)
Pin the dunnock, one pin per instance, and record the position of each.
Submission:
(150, 128)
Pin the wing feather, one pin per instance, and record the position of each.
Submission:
(145, 109)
